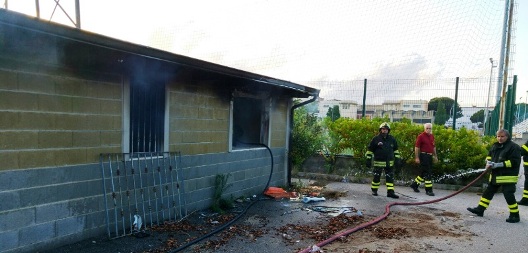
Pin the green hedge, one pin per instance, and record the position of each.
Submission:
(459, 150)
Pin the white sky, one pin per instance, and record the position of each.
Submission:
(306, 41)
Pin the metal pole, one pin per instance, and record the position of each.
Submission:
(77, 14)
(500, 64)
(526, 102)
(364, 98)
(506, 63)
(37, 8)
(455, 104)
(489, 91)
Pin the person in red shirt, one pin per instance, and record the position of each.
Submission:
(425, 155)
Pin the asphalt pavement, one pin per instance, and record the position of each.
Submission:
(492, 232)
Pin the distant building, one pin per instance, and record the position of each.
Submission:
(347, 108)
(415, 110)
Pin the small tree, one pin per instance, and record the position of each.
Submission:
(441, 115)
(477, 116)
(333, 113)
(306, 136)
(448, 105)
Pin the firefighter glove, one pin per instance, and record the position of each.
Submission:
(369, 163)
(497, 165)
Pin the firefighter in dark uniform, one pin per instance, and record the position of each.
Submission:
(504, 159)
(524, 154)
(383, 154)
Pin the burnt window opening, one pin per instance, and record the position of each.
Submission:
(250, 123)
(147, 116)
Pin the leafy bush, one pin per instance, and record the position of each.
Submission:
(457, 150)
(460, 150)
(306, 136)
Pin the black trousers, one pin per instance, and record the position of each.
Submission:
(389, 178)
(389, 174)
(426, 172)
(426, 166)
(526, 180)
(507, 189)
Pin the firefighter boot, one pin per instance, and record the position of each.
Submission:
(391, 194)
(414, 186)
(514, 218)
(479, 210)
(375, 192)
(429, 192)
(523, 202)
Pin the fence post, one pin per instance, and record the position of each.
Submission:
(455, 105)
(364, 98)
(510, 104)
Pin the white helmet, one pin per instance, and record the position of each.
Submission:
(385, 125)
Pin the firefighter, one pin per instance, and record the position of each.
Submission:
(504, 159)
(524, 153)
(383, 154)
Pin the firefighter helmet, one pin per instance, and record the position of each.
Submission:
(384, 125)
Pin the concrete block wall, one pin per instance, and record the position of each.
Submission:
(48, 207)
(51, 135)
(57, 120)
(248, 170)
(52, 129)
(199, 119)
(279, 123)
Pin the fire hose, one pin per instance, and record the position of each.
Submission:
(387, 212)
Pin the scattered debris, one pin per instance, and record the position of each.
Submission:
(316, 249)
(279, 193)
(335, 211)
(312, 199)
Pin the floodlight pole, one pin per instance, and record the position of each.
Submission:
(489, 91)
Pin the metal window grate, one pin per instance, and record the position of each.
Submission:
(147, 184)
(147, 117)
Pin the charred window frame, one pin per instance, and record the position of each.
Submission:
(146, 116)
(250, 122)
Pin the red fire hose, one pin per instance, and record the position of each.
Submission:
(387, 211)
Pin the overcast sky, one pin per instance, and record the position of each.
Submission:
(307, 41)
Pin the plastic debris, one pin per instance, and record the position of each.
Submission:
(136, 226)
(287, 237)
(312, 199)
(315, 249)
(335, 211)
(279, 193)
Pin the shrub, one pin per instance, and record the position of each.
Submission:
(221, 204)
(306, 136)
(457, 150)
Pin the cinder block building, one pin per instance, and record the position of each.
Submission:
(94, 131)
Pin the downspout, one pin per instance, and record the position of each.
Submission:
(290, 139)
